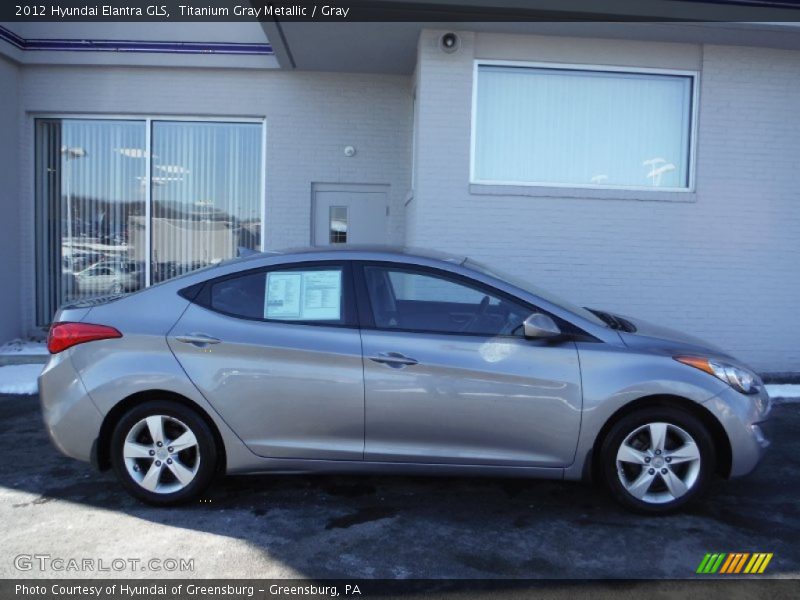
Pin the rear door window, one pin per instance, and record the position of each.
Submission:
(314, 294)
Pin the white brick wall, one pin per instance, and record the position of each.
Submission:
(724, 266)
(10, 267)
(310, 117)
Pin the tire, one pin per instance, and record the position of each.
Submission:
(653, 477)
(178, 470)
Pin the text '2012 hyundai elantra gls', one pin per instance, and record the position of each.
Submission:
(378, 361)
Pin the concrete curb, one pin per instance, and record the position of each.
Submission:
(23, 359)
(792, 377)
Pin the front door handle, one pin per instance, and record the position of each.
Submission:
(198, 339)
(394, 359)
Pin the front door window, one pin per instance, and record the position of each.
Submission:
(423, 301)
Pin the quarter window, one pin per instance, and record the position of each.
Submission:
(422, 301)
(581, 127)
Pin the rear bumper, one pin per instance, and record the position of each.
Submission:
(71, 418)
(746, 421)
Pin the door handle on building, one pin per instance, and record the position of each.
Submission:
(394, 359)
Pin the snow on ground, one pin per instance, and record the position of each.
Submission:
(19, 379)
(785, 391)
(23, 347)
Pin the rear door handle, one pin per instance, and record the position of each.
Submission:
(394, 359)
(198, 339)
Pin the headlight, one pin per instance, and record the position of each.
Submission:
(739, 379)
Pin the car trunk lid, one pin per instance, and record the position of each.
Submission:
(78, 310)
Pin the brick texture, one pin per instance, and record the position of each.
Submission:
(724, 266)
(310, 118)
(722, 263)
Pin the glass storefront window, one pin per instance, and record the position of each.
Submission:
(206, 180)
(203, 187)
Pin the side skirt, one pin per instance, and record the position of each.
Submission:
(305, 466)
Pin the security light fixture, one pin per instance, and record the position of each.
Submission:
(449, 42)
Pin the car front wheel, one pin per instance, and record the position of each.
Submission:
(656, 460)
(163, 453)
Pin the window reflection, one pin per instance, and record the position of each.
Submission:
(206, 194)
(338, 225)
(91, 199)
(93, 187)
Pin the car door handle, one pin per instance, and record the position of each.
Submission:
(394, 359)
(198, 339)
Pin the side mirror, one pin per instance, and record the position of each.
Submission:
(539, 326)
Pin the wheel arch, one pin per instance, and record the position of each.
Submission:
(722, 443)
(102, 458)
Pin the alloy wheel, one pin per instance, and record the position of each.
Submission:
(658, 463)
(161, 454)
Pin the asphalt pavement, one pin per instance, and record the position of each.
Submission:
(380, 527)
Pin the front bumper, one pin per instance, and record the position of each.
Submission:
(71, 418)
(745, 420)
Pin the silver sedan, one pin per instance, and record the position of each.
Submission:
(378, 361)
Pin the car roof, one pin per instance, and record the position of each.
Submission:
(363, 251)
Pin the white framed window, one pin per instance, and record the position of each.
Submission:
(123, 202)
(544, 124)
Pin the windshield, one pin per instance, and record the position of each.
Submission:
(529, 287)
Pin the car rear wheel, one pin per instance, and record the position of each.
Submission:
(657, 460)
(163, 453)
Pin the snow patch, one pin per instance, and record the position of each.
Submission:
(19, 379)
(785, 392)
(19, 346)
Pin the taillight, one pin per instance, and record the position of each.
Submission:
(66, 335)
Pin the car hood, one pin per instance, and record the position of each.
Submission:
(649, 336)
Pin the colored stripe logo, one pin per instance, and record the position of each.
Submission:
(733, 563)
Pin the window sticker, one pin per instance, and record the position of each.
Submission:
(304, 295)
(322, 295)
(283, 296)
